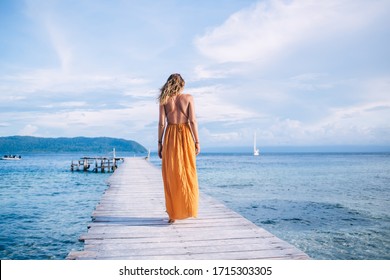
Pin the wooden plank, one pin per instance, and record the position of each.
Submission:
(130, 223)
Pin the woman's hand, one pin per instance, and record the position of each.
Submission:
(159, 150)
(197, 148)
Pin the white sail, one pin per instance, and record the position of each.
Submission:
(256, 151)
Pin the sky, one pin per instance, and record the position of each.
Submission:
(295, 72)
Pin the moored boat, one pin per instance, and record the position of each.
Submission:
(11, 157)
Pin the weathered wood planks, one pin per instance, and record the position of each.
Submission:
(130, 223)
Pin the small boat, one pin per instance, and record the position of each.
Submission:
(256, 151)
(11, 157)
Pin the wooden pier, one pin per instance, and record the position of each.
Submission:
(130, 223)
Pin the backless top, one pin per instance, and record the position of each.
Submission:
(179, 109)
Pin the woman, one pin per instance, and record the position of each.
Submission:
(179, 131)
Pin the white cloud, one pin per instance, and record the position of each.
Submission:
(310, 82)
(28, 130)
(94, 122)
(212, 105)
(359, 125)
(89, 35)
(61, 45)
(6, 98)
(202, 72)
(273, 28)
(57, 81)
(71, 104)
(296, 72)
(221, 138)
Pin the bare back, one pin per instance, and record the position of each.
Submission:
(178, 109)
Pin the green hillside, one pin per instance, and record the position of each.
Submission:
(25, 144)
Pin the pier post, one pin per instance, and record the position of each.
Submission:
(113, 164)
(85, 164)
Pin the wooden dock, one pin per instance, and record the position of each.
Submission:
(130, 223)
(98, 164)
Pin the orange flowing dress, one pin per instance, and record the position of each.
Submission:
(179, 158)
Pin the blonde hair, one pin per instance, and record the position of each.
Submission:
(173, 86)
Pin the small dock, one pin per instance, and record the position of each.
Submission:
(98, 164)
(130, 223)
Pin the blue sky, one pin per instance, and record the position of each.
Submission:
(295, 72)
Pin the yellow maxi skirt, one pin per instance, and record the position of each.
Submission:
(179, 172)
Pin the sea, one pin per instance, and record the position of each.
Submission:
(333, 206)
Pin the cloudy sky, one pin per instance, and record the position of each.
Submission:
(296, 72)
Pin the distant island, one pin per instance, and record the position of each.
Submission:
(28, 144)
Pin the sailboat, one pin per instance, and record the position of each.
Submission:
(256, 151)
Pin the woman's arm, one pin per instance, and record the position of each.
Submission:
(161, 126)
(193, 123)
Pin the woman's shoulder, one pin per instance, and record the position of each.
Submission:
(187, 96)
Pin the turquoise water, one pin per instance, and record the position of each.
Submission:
(44, 206)
(332, 206)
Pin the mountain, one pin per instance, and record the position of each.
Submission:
(25, 144)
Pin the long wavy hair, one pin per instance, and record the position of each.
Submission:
(173, 86)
